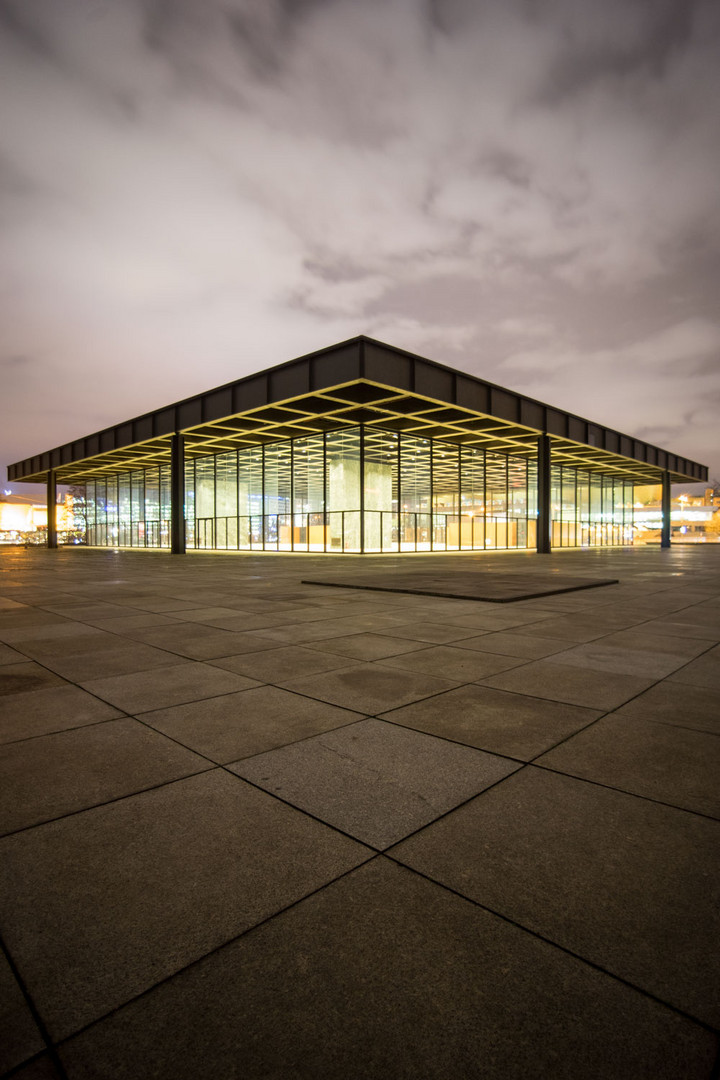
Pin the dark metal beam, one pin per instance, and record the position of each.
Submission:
(543, 495)
(177, 495)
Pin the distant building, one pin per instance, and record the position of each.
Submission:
(24, 521)
(694, 519)
(360, 447)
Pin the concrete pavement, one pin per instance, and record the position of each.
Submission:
(256, 828)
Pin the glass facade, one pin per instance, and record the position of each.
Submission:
(129, 509)
(359, 489)
(589, 509)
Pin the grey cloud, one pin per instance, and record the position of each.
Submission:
(16, 361)
(652, 34)
(15, 21)
(200, 189)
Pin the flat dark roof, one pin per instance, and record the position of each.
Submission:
(360, 381)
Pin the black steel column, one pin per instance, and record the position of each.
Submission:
(666, 505)
(177, 494)
(543, 495)
(52, 541)
(362, 489)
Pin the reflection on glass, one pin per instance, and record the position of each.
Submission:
(360, 489)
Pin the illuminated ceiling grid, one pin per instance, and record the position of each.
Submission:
(362, 402)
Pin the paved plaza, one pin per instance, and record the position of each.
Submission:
(255, 828)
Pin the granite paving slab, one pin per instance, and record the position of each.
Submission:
(641, 639)
(434, 633)
(162, 604)
(24, 637)
(272, 663)
(676, 703)
(417, 983)
(83, 641)
(124, 659)
(46, 777)
(369, 688)
(296, 633)
(461, 665)
(204, 614)
(493, 618)
(480, 584)
(705, 671)
(123, 624)
(242, 724)
(53, 709)
(164, 686)
(369, 646)
(514, 643)
(659, 761)
(576, 685)
(602, 656)
(494, 720)
(99, 906)
(685, 627)
(9, 655)
(41, 1068)
(243, 621)
(27, 619)
(619, 880)
(376, 781)
(583, 626)
(84, 610)
(195, 641)
(20, 1036)
(26, 677)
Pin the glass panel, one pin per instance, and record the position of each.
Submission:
(517, 505)
(472, 486)
(309, 494)
(205, 502)
(496, 500)
(165, 506)
(595, 508)
(250, 496)
(123, 537)
(137, 495)
(381, 490)
(568, 510)
(342, 480)
(226, 497)
(415, 529)
(446, 494)
(556, 505)
(152, 506)
(91, 531)
(278, 496)
(190, 502)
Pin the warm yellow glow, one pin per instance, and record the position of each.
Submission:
(14, 518)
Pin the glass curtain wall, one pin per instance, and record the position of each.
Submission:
(359, 490)
(129, 509)
(590, 509)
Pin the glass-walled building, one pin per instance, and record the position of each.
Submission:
(359, 490)
(359, 447)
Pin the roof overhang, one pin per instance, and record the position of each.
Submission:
(361, 381)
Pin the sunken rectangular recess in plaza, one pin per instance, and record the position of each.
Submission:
(360, 447)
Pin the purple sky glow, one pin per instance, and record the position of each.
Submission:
(193, 190)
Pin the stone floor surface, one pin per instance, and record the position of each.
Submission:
(254, 828)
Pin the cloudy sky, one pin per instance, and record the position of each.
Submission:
(527, 190)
